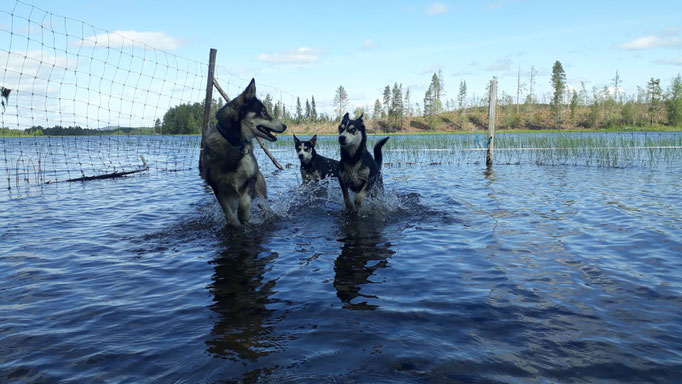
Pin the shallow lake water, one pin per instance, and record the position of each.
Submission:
(526, 272)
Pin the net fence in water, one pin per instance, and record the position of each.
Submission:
(45, 160)
(61, 73)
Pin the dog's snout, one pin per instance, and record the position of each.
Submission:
(300, 156)
(342, 140)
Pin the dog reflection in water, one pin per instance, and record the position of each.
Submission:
(362, 254)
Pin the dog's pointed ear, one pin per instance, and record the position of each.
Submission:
(296, 140)
(345, 117)
(250, 91)
(360, 117)
(313, 141)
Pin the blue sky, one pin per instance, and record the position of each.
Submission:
(309, 48)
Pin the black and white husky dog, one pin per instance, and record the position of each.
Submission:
(227, 162)
(358, 170)
(313, 166)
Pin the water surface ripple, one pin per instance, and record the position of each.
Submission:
(526, 273)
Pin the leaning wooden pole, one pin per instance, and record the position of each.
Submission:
(207, 104)
(492, 101)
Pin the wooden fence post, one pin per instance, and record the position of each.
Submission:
(492, 101)
(207, 104)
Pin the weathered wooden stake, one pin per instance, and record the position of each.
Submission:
(492, 101)
(207, 104)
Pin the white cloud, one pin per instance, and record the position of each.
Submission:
(25, 69)
(461, 74)
(437, 9)
(503, 64)
(369, 44)
(303, 55)
(157, 40)
(651, 41)
(431, 70)
(494, 6)
(676, 61)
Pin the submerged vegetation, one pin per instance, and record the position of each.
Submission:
(606, 149)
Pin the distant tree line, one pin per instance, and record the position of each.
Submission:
(565, 107)
(58, 130)
(186, 119)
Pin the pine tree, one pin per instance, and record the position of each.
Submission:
(616, 86)
(397, 105)
(575, 101)
(559, 85)
(313, 110)
(583, 96)
(268, 102)
(340, 101)
(441, 86)
(674, 102)
(299, 110)
(387, 101)
(436, 94)
(378, 110)
(428, 102)
(462, 95)
(408, 106)
(654, 96)
(308, 113)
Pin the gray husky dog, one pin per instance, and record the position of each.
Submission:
(358, 171)
(227, 161)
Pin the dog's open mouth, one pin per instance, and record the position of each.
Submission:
(266, 131)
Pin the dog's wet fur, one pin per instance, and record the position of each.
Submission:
(314, 166)
(358, 170)
(227, 162)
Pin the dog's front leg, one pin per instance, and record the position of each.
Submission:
(361, 195)
(244, 209)
(229, 214)
(346, 197)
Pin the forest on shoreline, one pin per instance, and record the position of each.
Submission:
(565, 109)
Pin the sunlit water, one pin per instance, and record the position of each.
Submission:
(526, 273)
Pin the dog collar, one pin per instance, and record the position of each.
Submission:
(232, 139)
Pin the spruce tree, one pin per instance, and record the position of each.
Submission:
(462, 95)
(407, 105)
(654, 96)
(378, 110)
(674, 102)
(313, 110)
(387, 101)
(340, 101)
(559, 85)
(299, 110)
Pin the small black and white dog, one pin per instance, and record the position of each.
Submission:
(357, 169)
(313, 166)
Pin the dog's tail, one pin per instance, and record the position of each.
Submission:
(378, 157)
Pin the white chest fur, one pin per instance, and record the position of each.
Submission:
(356, 175)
